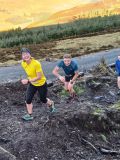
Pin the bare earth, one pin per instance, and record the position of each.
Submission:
(86, 127)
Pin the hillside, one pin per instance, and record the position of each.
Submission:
(100, 8)
(56, 49)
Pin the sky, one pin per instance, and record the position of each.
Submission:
(14, 13)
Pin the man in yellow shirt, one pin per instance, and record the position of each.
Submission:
(36, 82)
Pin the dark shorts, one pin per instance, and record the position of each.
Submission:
(68, 77)
(31, 90)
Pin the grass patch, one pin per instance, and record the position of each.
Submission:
(102, 70)
(116, 106)
(64, 93)
(78, 89)
(98, 111)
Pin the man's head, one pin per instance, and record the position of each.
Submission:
(67, 59)
(26, 54)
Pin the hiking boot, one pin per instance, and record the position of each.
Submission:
(52, 107)
(27, 117)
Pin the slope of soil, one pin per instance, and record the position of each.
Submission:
(81, 128)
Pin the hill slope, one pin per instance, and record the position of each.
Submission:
(100, 8)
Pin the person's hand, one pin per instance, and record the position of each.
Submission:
(24, 81)
(62, 79)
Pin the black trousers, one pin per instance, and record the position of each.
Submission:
(31, 90)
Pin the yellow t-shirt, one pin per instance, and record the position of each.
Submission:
(31, 71)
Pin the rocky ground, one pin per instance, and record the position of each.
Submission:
(86, 127)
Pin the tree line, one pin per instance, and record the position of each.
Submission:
(77, 27)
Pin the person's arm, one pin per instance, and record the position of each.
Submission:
(25, 80)
(38, 77)
(56, 73)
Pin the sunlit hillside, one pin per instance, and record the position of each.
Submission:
(30, 13)
(100, 8)
(21, 13)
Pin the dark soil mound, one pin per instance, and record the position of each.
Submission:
(85, 127)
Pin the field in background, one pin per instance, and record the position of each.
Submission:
(55, 49)
(76, 28)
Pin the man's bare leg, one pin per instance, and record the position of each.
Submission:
(66, 85)
(70, 88)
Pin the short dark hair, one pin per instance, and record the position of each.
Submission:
(67, 56)
(25, 50)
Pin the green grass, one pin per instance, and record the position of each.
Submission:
(98, 111)
(64, 93)
(78, 89)
(78, 27)
(116, 106)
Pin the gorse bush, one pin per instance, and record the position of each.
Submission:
(77, 27)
